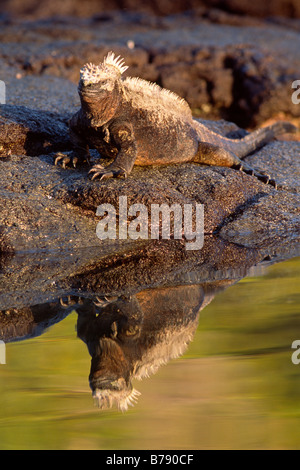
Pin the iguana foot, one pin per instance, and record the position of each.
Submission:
(259, 174)
(105, 301)
(108, 172)
(70, 301)
(67, 158)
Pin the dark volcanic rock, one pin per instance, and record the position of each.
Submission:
(34, 278)
(44, 8)
(46, 207)
(225, 65)
(31, 132)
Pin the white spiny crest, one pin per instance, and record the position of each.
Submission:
(117, 62)
(90, 73)
(149, 90)
(123, 399)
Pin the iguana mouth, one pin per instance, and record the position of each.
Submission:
(87, 90)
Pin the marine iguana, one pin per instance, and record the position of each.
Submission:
(138, 122)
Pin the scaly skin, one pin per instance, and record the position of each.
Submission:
(137, 122)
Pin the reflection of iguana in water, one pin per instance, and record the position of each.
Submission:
(137, 122)
(131, 337)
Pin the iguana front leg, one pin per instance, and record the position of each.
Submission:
(78, 155)
(123, 137)
(209, 154)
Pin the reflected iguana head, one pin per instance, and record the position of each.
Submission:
(110, 376)
(130, 338)
(111, 328)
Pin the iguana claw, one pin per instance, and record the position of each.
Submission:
(259, 174)
(105, 173)
(65, 159)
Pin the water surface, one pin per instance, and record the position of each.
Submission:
(234, 387)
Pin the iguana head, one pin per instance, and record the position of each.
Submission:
(110, 377)
(99, 87)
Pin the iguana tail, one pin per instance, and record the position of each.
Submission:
(249, 143)
(214, 149)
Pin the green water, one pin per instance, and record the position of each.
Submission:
(235, 387)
